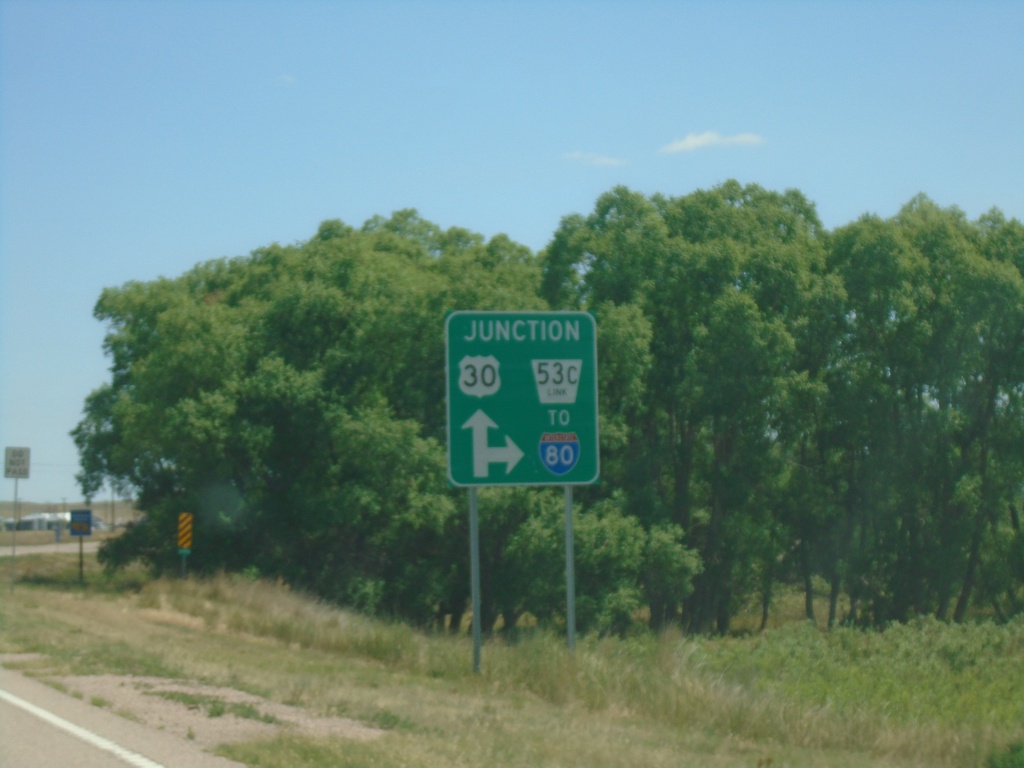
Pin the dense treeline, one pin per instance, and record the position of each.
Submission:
(779, 404)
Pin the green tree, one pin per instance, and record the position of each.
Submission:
(293, 400)
(923, 384)
(777, 403)
(721, 279)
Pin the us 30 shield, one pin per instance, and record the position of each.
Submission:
(479, 375)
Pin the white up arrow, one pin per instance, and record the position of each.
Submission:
(483, 454)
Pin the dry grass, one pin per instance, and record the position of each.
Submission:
(646, 701)
(29, 539)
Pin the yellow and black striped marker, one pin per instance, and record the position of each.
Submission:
(185, 533)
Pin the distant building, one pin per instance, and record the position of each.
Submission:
(39, 521)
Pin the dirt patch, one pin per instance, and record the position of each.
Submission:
(208, 715)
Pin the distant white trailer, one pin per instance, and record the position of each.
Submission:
(40, 521)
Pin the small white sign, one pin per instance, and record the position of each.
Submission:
(16, 463)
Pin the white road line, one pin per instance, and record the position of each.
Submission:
(132, 758)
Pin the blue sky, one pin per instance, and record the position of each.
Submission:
(140, 138)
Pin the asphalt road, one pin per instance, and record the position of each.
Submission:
(43, 728)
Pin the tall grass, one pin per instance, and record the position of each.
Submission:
(927, 692)
(261, 609)
(955, 675)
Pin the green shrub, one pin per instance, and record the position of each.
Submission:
(1011, 757)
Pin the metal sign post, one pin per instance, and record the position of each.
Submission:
(17, 462)
(474, 575)
(570, 573)
(522, 410)
(81, 526)
(14, 536)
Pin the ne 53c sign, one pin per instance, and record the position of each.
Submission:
(522, 398)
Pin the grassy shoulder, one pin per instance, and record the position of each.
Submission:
(21, 540)
(921, 694)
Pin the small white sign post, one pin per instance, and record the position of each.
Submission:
(16, 465)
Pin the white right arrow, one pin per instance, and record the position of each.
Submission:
(483, 454)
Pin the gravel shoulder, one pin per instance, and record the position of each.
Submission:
(205, 715)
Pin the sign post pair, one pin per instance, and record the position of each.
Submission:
(522, 410)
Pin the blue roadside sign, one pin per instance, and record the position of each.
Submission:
(81, 522)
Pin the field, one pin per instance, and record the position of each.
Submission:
(318, 686)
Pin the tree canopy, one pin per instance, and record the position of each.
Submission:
(779, 404)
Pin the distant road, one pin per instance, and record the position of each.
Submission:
(69, 547)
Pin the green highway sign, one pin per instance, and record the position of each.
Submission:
(522, 398)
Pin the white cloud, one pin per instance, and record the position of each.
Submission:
(592, 158)
(285, 80)
(707, 139)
